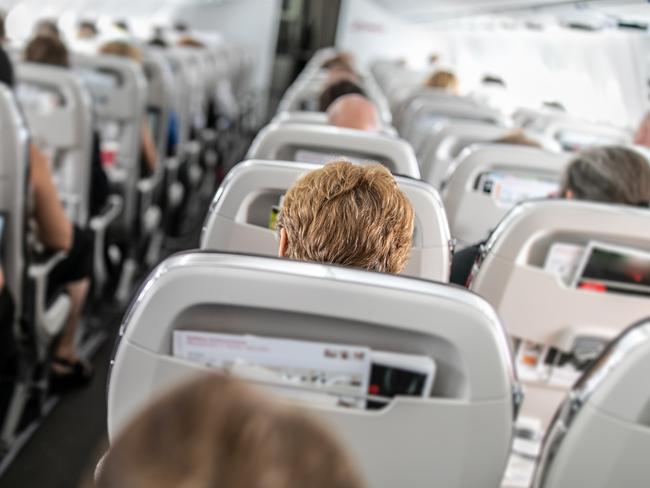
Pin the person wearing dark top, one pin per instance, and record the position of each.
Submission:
(336, 90)
(72, 274)
(608, 174)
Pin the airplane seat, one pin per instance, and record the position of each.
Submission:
(118, 88)
(459, 435)
(318, 118)
(555, 271)
(425, 112)
(58, 110)
(37, 319)
(240, 215)
(601, 432)
(316, 144)
(487, 180)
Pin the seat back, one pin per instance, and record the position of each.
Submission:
(601, 434)
(318, 118)
(313, 143)
(58, 110)
(486, 181)
(539, 305)
(471, 401)
(444, 142)
(14, 162)
(238, 220)
(160, 97)
(119, 92)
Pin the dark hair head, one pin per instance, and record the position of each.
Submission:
(609, 174)
(47, 50)
(336, 90)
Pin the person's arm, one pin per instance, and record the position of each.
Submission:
(148, 147)
(54, 228)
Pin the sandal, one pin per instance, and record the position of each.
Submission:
(80, 373)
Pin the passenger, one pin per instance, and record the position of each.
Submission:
(87, 30)
(342, 61)
(517, 138)
(52, 51)
(443, 80)
(610, 174)
(216, 432)
(48, 28)
(149, 155)
(191, 42)
(73, 274)
(337, 89)
(347, 214)
(354, 112)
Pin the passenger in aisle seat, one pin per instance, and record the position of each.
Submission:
(347, 214)
(73, 273)
(443, 80)
(338, 89)
(52, 51)
(149, 156)
(354, 112)
(609, 174)
(216, 432)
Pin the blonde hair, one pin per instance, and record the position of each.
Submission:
(122, 48)
(347, 214)
(444, 80)
(216, 432)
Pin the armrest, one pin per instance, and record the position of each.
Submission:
(39, 271)
(109, 213)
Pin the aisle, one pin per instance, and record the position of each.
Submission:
(68, 440)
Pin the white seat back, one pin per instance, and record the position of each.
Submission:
(601, 436)
(58, 110)
(160, 97)
(486, 181)
(445, 140)
(119, 92)
(271, 297)
(239, 216)
(284, 141)
(318, 118)
(521, 275)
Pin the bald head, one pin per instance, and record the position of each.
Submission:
(354, 112)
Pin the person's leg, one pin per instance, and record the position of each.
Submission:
(65, 348)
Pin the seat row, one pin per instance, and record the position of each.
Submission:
(481, 342)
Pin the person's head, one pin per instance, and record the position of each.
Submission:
(216, 432)
(47, 50)
(122, 25)
(354, 112)
(122, 48)
(191, 42)
(609, 174)
(336, 90)
(347, 214)
(47, 28)
(87, 29)
(517, 138)
(443, 80)
(342, 61)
